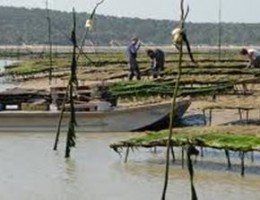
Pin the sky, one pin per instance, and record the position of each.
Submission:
(200, 10)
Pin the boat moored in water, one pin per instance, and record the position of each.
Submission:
(93, 116)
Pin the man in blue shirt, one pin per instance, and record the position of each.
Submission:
(157, 65)
(132, 50)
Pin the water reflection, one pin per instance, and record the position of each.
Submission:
(70, 171)
(4, 83)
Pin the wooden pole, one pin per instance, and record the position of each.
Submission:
(191, 151)
(173, 105)
(219, 30)
(247, 116)
(240, 114)
(50, 41)
(210, 117)
(173, 154)
(70, 142)
(182, 157)
(127, 153)
(242, 163)
(201, 152)
(204, 117)
(60, 119)
(228, 158)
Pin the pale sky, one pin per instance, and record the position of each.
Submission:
(200, 10)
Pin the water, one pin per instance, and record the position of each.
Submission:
(31, 170)
(3, 82)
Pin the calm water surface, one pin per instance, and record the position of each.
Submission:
(3, 82)
(31, 170)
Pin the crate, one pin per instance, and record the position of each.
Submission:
(35, 107)
(82, 107)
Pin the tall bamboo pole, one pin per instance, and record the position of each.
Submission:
(71, 136)
(60, 119)
(219, 29)
(173, 107)
(50, 41)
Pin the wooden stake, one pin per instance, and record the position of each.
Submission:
(205, 117)
(228, 158)
(201, 152)
(182, 157)
(127, 153)
(247, 116)
(60, 119)
(242, 163)
(240, 114)
(173, 154)
(210, 117)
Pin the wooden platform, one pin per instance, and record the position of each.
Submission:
(21, 98)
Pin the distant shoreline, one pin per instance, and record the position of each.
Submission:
(104, 49)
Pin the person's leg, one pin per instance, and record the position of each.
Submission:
(131, 71)
(257, 62)
(160, 69)
(156, 72)
(155, 75)
(136, 70)
(137, 73)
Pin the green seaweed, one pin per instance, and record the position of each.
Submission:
(199, 137)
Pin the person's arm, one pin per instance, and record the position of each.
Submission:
(134, 48)
(154, 63)
(137, 46)
(251, 59)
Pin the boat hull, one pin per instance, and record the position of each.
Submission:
(119, 120)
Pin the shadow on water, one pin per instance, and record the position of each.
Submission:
(200, 119)
(212, 160)
(244, 122)
(193, 120)
(5, 82)
(190, 120)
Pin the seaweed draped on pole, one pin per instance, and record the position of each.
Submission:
(179, 36)
(72, 84)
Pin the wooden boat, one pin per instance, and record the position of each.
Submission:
(114, 120)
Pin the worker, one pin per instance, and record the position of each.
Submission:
(157, 61)
(132, 51)
(253, 56)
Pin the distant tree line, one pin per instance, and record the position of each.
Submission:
(29, 26)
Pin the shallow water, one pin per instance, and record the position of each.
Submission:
(4, 84)
(31, 170)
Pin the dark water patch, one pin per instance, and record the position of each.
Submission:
(244, 122)
(212, 160)
(193, 120)
(201, 120)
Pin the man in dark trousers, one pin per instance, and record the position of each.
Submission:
(157, 65)
(132, 50)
